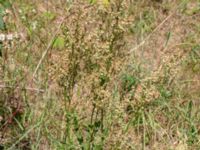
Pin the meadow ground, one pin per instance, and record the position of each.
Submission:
(98, 74)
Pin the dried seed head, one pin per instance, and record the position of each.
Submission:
(2, 37)
(10, 37)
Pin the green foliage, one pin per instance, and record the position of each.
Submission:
(193, 60)
(165, 93)
(4, 4)
(92, 1)
(59, 43)
(49, 15)
(195, 57)
(105, 2)
(128, 81)
(2, 24)
(144, 22)
(103, 79)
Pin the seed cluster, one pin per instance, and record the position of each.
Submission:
(8, 37)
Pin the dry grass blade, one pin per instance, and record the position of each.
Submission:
(156, 29)
(48, 48)
(26, 88)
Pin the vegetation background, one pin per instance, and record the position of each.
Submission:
(100, 74)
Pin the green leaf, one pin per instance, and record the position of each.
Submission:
(5, 3)
(2, 24)
(92, 1)
(103, 79)
(196, 68)
(59, 43)
(190, 105)
(49, 15)
(128, 81)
